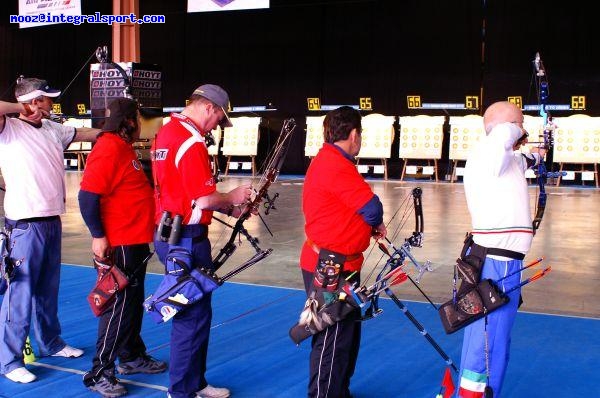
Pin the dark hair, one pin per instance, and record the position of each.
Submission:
(122, 118)
(125, 129)
(339, 123)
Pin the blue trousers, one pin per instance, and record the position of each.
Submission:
(190, 330)
(33, 296)
(472, 374)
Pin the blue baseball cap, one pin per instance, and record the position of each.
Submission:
(219, 97)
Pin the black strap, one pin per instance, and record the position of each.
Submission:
(505, 253)
(198, 232)
(482, 251)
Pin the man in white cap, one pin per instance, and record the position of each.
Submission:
(185, 189)
(32, 163)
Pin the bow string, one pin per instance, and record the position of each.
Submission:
(395, 270)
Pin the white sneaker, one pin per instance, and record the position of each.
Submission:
(20, 375)
(213, 392)
(69, 352)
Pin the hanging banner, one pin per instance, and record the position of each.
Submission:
(225, 5)
(40, 12)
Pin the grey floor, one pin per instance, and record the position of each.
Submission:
(567, 239)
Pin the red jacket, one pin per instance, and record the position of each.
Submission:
(182, 170)
(333, 193)
(114, 172)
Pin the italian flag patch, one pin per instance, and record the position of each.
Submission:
(472, 384)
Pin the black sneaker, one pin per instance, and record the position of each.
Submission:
(108, 387)
(143, 364)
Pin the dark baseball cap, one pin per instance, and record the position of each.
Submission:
(118, 110)
(219, 97)
(29, 88)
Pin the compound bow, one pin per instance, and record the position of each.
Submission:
(398, 255)
(269, 176)
(392, 273)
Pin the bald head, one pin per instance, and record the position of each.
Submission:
(501, 112)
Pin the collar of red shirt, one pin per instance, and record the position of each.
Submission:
(183, 118)
(344, 153)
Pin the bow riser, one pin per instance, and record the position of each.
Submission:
(397, 257)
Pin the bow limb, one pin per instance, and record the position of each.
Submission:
(247, 264)
(102, 56)
(543, 91)
(404, 206)
(539, 213)
(271, 172)
(126, 79)
(415, 240)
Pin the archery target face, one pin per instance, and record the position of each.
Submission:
(242, 138)
(577, 139)
(421, 137)
(314, 135)
(465, 133)
(377, 136)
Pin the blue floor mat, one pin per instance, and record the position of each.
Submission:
(251, 354)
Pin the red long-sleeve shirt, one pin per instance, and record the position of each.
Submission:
(333, 194)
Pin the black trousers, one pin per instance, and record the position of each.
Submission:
(120, 325)
(333, 355)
